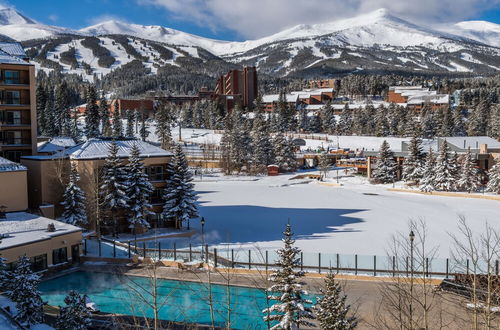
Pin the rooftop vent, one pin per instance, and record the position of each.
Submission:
(51, 228)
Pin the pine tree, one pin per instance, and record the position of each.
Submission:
(414, 163)
(163, 123)
(239, 140)
(117, 126)
(180, 198)
(5, 275)
(332, 311)
(76, 133)
(382, 125)
(445, 170)
(284, 113)
(290, 310)
(494, 122)
(261, 142)
(24, 293)
(139, 190)
(144, 130)
(284, 153)
(41, 100)
(494, 178)
(50, 116)
(386, 166)
(104, 117)
(115, 182)
(446, 122)
(469, 179)
(345, 121)
(129, 114)
(458, 123)
(328, 122)
(74, 200)
(478, 120)
(92, 118)
(75, 315)
(62, 108)
(427, 183)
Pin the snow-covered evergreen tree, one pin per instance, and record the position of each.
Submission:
(4, 274)
(63, 122)
(41, 100)
(262, 154)
(445, 170)
(494, 178)
(179, 195)
(381, 122)
(290, 309)
(284, 153)
(24, 293)
(117, 126)
(345, 121)
(477, 122)
(239, 139)
(130, 115)
(413, 165)
(494, 122)
(144, 130)
(469, 179)
(92, 117)
(104, 116)
(427, 183)
(163, 125)
(75, 315)
(74, 200)
(138, 191)
(115, 183)
(328, 122)
(458, 128)
(385, 172)
(332, 310)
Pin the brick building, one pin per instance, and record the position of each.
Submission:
(415, 97)
(18, 126)
(238, 86)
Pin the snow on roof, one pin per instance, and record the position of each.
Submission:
(393, 88)
(56, 144)
(99, 148)
(9, 166)
(13, 48)
(426, 98)
(315, 106)
(23, 228)
(274, 98)
(473, 142)
(6, 58)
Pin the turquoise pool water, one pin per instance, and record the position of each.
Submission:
(183, 301)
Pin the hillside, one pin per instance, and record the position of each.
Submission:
(377, 42)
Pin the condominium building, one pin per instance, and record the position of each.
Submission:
(238, 87)
(17, 103)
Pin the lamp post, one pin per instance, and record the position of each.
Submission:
(412, 238)
(202, 221)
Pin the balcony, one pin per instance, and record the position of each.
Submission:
(15, 82)
(15, 102)
(15, 141)
(15, 122)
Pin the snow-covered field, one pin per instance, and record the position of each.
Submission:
(356, 218)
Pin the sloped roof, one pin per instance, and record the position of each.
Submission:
(274, 98)
(9, 166)
(473, 142)
(99, 148)
(13, 48)
(56, 144)
(6, 58)
(24, 228)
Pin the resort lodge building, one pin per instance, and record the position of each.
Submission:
(17, 103)
(47, 176)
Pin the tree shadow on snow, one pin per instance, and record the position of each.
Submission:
(245, 223)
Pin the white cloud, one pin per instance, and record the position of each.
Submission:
(257, 18)
(53, 18)
(104, 18)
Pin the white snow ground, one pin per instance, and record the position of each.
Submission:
(330, 219)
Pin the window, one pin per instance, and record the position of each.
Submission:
(12, 97)
(59, 256)
(39, 263)
(13, 137)
(155, 173)
(13, 118)
(12, 77)
(156, 196)
(14, 156)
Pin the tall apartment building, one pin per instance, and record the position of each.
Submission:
(17, 103)
(238, 86)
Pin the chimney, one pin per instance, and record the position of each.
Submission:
(51, 227)
(483, 149)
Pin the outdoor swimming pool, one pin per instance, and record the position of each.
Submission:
(183, 301)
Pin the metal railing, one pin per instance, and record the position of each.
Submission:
(311, 262)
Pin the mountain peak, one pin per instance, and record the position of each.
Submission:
(9, 16)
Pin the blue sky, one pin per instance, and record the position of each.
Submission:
(243, 19)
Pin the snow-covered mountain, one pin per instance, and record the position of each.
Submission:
(19, 27)
(376, 42)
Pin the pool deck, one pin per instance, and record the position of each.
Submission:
(364, 292)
